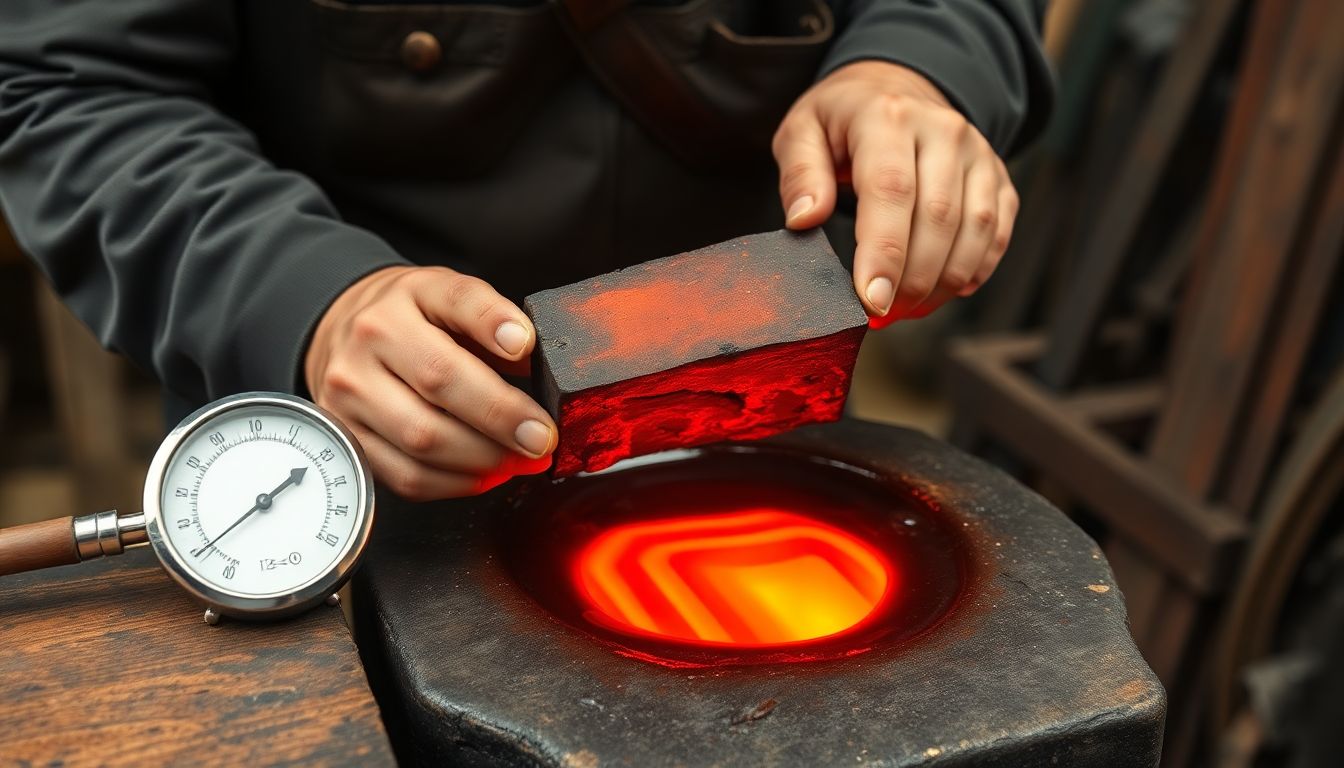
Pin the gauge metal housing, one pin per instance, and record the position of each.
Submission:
(234, 604)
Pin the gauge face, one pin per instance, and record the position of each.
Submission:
(261, 500)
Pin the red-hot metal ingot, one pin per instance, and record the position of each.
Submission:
(740, 340)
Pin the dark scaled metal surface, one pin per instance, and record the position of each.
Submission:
(1034, 664)
(741, 340)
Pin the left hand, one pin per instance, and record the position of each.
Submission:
(936, 205)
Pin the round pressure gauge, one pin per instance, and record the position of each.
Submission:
(259, 504)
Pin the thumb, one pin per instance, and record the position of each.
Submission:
(806, 171)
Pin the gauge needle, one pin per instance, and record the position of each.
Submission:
(264, 501)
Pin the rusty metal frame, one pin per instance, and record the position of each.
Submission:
(1178, 487)
(1197, 542)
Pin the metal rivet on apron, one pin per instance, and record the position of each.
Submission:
(810, 23)
(420, 51)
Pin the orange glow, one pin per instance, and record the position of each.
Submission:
(758, 577)
(665, 319)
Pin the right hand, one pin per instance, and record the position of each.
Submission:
(409, 359)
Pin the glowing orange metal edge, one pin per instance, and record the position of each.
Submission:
(627, 584)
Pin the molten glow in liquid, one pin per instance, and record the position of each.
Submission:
(754, 577)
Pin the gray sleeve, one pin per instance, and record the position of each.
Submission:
(985, 55)
(155, 216)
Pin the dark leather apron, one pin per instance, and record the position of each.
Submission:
(486, 144)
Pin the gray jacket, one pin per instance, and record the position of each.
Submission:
(199, 179)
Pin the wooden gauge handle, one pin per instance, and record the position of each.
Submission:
(38, 545)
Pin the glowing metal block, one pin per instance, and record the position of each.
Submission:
(735, 341)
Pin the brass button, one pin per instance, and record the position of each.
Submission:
(420, 51)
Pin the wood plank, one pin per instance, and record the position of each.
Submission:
(1112, 406)
(1265, 44)
(109, 663)
(1108, 245)
(1209, 388)
(1108, 407)
(1294, 330)
(1195, 542)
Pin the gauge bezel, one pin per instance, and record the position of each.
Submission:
(271, 606)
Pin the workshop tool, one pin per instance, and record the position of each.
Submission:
(259, 505)
(739, 340)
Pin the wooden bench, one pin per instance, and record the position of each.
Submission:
(109, 663)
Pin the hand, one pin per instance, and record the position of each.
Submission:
(936, 206)
(408, 358)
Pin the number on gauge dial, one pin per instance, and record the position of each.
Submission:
(260, 501)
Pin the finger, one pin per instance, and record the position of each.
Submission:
(511, 469)
(374, 388)
(469, 307)
(883, 170)
(936, 222)
(408, 478)
(975, 237)
(460, 383)
(1003, 235)
(401, 417)
(520, 368)
(806, 170)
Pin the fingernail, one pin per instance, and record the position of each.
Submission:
(533, 437)
(880, 294)
(511, 337)
(800, 206)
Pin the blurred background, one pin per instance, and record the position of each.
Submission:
(1159, 355)
(79, 423)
